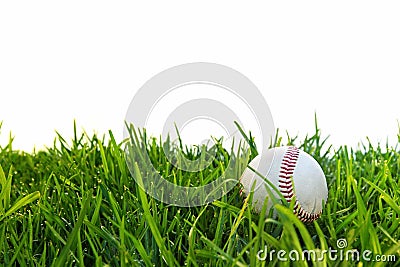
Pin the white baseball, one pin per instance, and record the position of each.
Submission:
(295, 174)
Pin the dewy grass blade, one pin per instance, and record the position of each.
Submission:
(122, 247)
(56, 234)
(5, 192)
(386, 197)
(192, 241)
(20, 203)
(72, 237)
(166, 254)
(101, 232)
(17, 248)
(80, 250)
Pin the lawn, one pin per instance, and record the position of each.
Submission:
(77, 204)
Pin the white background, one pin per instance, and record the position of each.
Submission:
(85, 60)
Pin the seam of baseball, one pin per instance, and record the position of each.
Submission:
(286, 186)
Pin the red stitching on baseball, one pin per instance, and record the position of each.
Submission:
(288, 165)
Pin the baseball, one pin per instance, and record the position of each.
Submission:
(296, 174)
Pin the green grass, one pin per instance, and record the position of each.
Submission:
(76, 204)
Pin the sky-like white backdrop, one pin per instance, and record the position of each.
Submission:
(84, 60)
